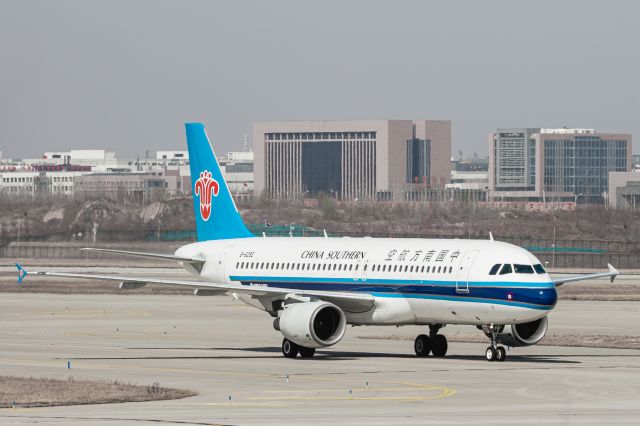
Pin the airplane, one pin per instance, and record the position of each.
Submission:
(314, 287)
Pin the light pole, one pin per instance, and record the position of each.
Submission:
(575, 198)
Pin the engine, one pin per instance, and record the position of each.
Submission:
(525, 334)
(312, 324)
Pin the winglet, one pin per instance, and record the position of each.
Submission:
(21, 273)
(613, 271)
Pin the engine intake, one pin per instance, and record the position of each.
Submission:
(525, 334)
(312, 324)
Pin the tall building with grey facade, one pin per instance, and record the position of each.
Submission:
(533, 164)
(368, 159)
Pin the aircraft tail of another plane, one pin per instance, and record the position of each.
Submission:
(217, 216)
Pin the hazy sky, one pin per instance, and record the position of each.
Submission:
(125, 75)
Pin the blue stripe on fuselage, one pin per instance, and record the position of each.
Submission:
(531, 295)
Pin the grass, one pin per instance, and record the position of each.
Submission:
(46, 392)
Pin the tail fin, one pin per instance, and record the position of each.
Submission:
(217, 216)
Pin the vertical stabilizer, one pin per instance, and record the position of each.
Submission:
(217, 216)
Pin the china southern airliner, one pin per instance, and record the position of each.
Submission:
(314, 287)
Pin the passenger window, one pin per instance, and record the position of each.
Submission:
(357, 266)
(450, 269)
(539, 269)
(494, 269)
(406, 267)
(439, 268)
(324, 267)
(350, 267)
(428, 269)
(523, 269)
(506, 269)
(395, 268)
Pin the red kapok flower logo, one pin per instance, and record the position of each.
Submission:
(206, 188)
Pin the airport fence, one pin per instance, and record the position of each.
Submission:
(565, 253)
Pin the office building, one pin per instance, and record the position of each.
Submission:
(527, 164)
(350, 160)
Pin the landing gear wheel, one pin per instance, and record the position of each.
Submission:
(501, 353)
(289, 349)
(422, 345)
(439, 345)
(491, 354)
(307, 352)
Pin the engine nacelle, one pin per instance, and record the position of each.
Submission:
(525, 334)
(312, 324)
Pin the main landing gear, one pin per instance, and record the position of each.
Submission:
(291, 350)
(494, 352)
(433, 343)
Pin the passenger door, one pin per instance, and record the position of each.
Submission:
(464, 268)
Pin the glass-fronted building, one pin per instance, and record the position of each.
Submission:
(580, 164)
(555, 164)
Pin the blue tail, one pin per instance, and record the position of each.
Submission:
(217, 216)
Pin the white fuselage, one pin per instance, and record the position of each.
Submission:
(414, 281)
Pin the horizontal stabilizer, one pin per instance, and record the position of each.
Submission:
(193, 260)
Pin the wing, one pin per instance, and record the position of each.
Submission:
(351, 302)
(612, 273)
(192, 260)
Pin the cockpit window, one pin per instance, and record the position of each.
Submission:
(506, 269)
(494, 269)
(539, 269)
(523, 269)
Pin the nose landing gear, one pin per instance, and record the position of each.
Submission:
(494, 352)
(433, 343)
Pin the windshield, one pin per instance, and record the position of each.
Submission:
(539, 269)
(506, 269)
(523, 269)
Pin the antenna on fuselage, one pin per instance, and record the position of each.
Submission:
(264, 234)
(325, 233)
(490, 236)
